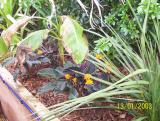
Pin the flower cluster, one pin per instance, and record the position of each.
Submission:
(88, 80)
(71, 78)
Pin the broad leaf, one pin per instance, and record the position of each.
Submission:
(3, 47)
(35, 39)
(50, 72)
(57, 86)
(73, 39)
(48, 87)
(68, 64)
(73, 93)
(61, 85)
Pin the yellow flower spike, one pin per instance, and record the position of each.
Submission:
(87, 76)
(74, 80)
(67, 76)
(39, 52)
(89, 82)
(99, 56)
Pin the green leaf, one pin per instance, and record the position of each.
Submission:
(50, 72)
(61, 85)
(73, 93)
(102, 45)
(3, 47)
(73, 39)
(57, 86)
(68, 64)
(35, 39)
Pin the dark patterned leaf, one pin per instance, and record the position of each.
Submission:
(73, 93)
(50, 72)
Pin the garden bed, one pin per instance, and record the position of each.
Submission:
(34, 82)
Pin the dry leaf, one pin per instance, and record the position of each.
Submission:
(8, 34)
(28, 45)
(21, 53)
